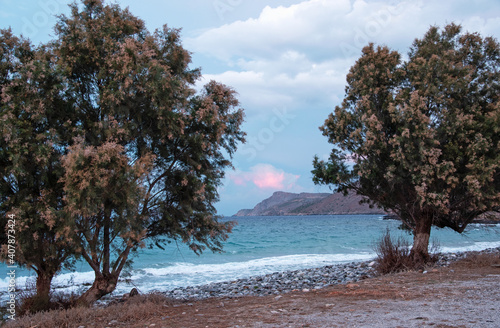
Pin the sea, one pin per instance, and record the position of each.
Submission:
(261, 245)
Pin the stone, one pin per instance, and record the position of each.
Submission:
(298, 280)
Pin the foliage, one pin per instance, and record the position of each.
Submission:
(30, 192)
(135, 153)
(421, 137)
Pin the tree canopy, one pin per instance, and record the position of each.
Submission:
(127, 152)
(30, 160)
(421, 137)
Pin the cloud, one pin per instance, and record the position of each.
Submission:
(317, 28)
(291, 39)
(296, 56)
(265, 176)
(293, 77)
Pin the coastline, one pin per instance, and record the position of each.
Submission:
(228, 284)
(243, 257)
(456, 292)
(279, 283)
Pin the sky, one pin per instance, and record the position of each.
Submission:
(286, 59)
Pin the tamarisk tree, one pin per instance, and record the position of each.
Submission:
(141, 152)
(421, 138)
(30, 190)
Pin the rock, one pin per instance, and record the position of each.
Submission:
(298, 280)
(133, 292)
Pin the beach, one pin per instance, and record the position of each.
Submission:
(260, 246)
(461, 293)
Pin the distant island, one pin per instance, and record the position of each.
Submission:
(286, 203)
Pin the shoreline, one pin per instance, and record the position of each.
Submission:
(279, 283)
(262, 284)
(176, 271)
(459, 292)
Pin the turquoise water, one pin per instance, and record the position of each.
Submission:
(261, 245)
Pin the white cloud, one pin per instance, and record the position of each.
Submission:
(320, 30)
(316, 28)
(294, 84)
(292, 56)
(296, 58)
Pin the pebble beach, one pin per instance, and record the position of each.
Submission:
(298, 280)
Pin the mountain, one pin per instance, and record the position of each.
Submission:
(286, 203)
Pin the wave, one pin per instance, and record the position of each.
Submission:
(61, 281)
(182, 274)
(477, 246)
(277, 262)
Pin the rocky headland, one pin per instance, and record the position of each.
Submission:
(296, 204)
(286, 203)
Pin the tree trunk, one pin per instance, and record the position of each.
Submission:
(43, 282)
(40, 301)
(420, 250)
(102, 286)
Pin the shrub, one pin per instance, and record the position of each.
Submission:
(29, 302)
(478, 260)
(392, 255)
(131, 312)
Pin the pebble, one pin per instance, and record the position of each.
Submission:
(303, 280)
(278, 283)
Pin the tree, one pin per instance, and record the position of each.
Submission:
(141, 153)
(421, 138)
(30, 192)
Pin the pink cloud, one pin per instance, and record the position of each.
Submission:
(269, 180)
(238, 180)
(265, 176)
